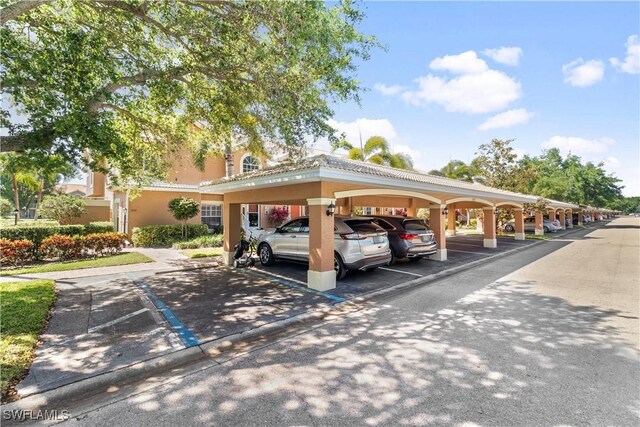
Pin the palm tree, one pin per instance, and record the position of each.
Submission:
(18, 168)
(376, 150)
(49, 169)
(457, 169)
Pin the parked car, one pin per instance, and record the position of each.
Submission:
(408, 237)
(530, 225)
(359, 244)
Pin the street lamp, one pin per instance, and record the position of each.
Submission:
(15, 214)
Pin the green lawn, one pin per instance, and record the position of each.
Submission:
(24, 310)
(202, 252)
(109, 261)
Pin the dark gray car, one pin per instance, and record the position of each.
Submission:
(408, 237)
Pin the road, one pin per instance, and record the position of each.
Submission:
(545, 336)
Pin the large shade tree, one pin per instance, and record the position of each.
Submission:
(131, 80)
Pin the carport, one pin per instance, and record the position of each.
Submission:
(560, 211)
(328, 184)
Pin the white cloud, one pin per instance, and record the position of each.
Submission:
(365, 128)
(505, 55)
(507, 119)
(582, 74)
(631, 63)
(579, 146)
(464, 63)
(484, 92)
(388, 90)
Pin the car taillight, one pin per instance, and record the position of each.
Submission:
(352, 236)
(405, 236)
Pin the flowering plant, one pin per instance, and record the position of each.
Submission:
(278, 215)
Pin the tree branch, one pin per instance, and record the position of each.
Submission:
(18, 8)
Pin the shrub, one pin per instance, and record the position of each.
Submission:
(165, 235)
(62, 208)
(99, 227)
(104, 243)
(16, 252)
(473, 222)
(37, 234)
(209, 241)
(62, 247)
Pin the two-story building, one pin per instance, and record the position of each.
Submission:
(148, 205)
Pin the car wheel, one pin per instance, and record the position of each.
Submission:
(415, 259)
(266, 255)
(509, 228)
(339, 267)
(546, 229)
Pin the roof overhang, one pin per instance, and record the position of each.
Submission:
(326, 174)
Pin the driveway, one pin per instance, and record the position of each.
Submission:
(103, 323)
(525, 343)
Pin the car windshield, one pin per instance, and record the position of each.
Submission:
(415, 225)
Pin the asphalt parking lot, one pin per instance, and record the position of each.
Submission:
(104, 323)
(461, 249)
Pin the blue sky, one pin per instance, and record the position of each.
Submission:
(457, 74)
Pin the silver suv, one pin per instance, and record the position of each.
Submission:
(359, 244)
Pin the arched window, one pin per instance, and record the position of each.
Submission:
(250, 163)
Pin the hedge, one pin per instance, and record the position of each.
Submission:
(61, 247)
(37, 234)
(99, 227)
(165, 235)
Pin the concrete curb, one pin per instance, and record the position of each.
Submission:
(206, 351)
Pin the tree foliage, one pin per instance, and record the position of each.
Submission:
(6, 208)
(132, 80)
(62, 207)
(457, 169)
(183, 209)
(375, 150)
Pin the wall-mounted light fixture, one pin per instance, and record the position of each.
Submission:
(445, 211)
(331, 209)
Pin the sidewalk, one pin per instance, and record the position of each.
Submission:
(164, 260)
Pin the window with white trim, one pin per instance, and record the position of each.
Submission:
(249, 164)
(368, 211)
(211, 215)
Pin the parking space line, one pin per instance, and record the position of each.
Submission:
(186, 335)
(116, 321)
(400, 271)
(468, 252)
(292, 283)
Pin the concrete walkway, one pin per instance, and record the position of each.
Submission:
(163, 260)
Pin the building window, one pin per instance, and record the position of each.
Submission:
(211, 215)
(254, 216)
(368, 211)
(249, 164)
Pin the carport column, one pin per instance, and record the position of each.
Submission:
(490, 240)
(580, 219)
(451, 222)
(436, 222)
(562, 222)
(232, 222)
(552, 215)
(519, 223)
(411, 209)
(539, 228)
(321, 275)
(570, 217)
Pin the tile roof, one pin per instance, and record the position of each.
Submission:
(168, 185)
(347, 165)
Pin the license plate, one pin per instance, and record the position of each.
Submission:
(425, 238)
